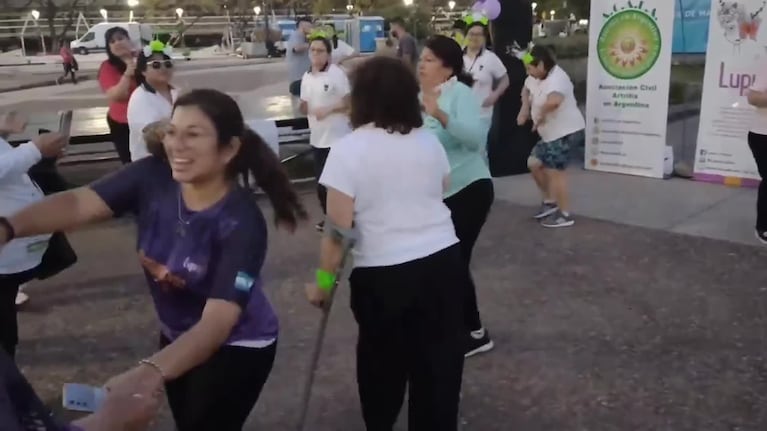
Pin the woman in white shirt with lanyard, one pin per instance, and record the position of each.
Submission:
(20, 258)
(153, 99)
(388, 177)
(325, 100)
(491, 79)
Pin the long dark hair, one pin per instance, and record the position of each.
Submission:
(450, 53)
(385, 93)
(253, 160)
(114, 60)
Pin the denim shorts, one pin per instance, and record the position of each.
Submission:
(556, 154)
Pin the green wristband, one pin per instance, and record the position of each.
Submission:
(326, 280)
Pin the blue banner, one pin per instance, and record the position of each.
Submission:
(691, 26)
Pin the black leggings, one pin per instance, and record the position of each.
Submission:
(9, 327)
(758, 145)
(411, 336)
(469, 209)
(219, 394)
(120, 133)
(320, 157)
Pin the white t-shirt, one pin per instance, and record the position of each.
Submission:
(486, 69)
(759, 123)
(144, 108)
(322, 90)
(567, 118)
(531, 84)
(397, 184)
(342, 51)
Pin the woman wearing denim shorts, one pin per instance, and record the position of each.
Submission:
(550, 101)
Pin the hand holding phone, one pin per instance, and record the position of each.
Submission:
(65, 123)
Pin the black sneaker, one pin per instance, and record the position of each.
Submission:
(478, 342)
(546, 210)
(761, 235)
(558, 219)
(320, 226)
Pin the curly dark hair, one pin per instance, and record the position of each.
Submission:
(385, 93)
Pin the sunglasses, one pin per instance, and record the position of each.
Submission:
(168, 64)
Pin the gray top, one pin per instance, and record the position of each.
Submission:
(407, 48)
(298, 62)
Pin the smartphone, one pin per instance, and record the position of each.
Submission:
(82, 398)
(65, 123)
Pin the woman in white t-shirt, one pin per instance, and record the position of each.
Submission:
(491, 79)
(560, 124)
(757, 141)
(386, 179)
(153, 99)
(325, 100)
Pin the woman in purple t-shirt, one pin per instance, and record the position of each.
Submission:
(202, 242)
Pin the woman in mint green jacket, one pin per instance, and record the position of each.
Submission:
(454, 114)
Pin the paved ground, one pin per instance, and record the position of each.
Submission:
(599, 327)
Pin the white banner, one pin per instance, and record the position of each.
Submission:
(734, 52)
(628, 85)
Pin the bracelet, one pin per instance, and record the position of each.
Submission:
(326, 281)
(154, 365)
(10, 232)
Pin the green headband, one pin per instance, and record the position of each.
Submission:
(528, 59)
(475, 17)
(157, 47)
(319, 34)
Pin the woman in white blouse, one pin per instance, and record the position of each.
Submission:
(388, 177)
(153, 100)
(491, 79)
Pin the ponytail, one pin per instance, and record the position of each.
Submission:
(465, 77)
(255, 160)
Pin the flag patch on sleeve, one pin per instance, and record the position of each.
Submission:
(244, 282)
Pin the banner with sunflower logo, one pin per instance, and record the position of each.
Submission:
(629, 74)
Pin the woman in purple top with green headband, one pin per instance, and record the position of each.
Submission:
(201, 241)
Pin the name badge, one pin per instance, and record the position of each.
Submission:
(37, 246)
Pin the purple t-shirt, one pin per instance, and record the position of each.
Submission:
(190, 257)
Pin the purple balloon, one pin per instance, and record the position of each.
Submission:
(488, 8)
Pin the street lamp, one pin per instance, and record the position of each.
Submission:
(179, 12)
(535, 6)
(408, 3)
(34, 14)
(257, 10)
(131, 5)
(451, 5)
(103, 13)
(552, 13)
(349, 8)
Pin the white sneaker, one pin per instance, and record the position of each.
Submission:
(21, 298)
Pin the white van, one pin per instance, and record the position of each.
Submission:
(94, 40)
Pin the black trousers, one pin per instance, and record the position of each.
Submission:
(121, 138)
(320, 157)
(9, 326)
(219, 394)
(469, 208)
(69, 69)
(411, 334)
(758, 145)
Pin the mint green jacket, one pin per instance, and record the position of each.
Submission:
(465, 138)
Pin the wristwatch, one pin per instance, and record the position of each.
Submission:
(10, 232)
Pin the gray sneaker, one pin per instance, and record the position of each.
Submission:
(546, 210)
(558, 219)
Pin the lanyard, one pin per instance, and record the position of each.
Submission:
(479, 54)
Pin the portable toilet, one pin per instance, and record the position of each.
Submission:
(370, 28)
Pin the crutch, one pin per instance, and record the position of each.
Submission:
(346, 237)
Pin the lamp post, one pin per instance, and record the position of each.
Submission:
(408, 3)
(104, 14)
(349, 8)
(131, 4)
(552, 13)
(179, 12)
(451, 5)
(535, 6)
(34, 15)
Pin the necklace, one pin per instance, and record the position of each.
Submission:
(182, 225)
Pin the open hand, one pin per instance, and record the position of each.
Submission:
(429, 100)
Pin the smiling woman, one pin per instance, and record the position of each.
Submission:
(202, 242)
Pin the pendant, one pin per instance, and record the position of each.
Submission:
(181, 229)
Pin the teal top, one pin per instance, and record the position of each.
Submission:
(465, 138)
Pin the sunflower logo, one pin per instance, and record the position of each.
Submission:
(629, 42)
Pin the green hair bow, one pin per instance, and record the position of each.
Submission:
(157, 47)
(319, 34)
(476, 17)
